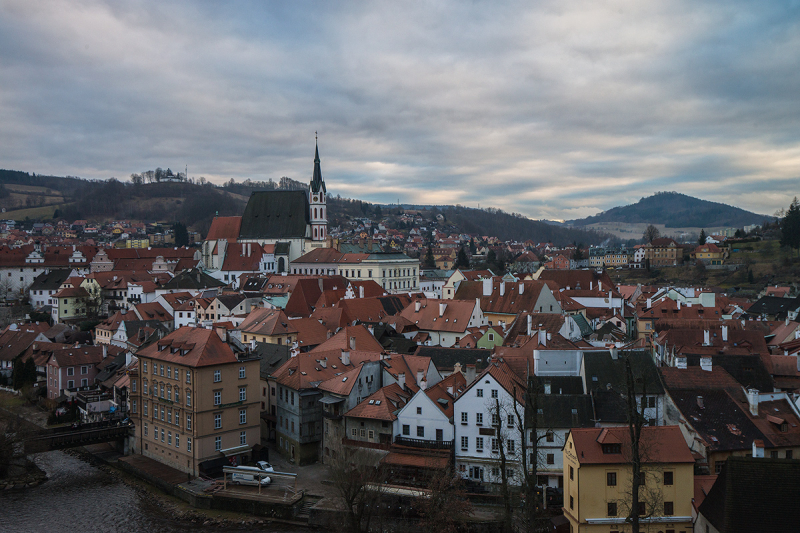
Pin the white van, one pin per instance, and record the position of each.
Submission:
(249, 479)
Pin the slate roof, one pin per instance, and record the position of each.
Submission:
(446, 358)
(50, 281)
(754, 494)
(271, 356)
(608, 370)
(774, 305)
(192, 279)
(563, 411)
(275, 215)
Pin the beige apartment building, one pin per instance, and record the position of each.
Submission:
(195, 403)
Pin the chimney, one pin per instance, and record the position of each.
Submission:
(417, 305)
(487, 287)
(700, 403)
(724, 333)
(471, 374)
(521, 287)
(360, 291)
(401, 380)
(252, 344)
(680, 362)
(706, 337)
(345, 357)
(679, 305)
(105, 351)
(752, 399)
(352, 343)
(530, 323)
(705, 364)
(420, 376)
(542, 337)
(600, 286)
(502, 288)
(547, 388)
(442, 307)
(591, 283)
(649, 303)
(758, 448)
(614, 353)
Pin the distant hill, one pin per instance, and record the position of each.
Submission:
(676, 210)
(39, 197)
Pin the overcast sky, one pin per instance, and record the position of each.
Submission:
(551, 109)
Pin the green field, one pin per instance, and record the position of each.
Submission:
(43, 212)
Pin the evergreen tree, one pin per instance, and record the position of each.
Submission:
(462, 261)
(702, 239)
(790, 226)
(181, 234)
(429, 261)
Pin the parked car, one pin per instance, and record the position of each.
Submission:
(244, 478)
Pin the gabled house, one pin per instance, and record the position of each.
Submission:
(444, 321)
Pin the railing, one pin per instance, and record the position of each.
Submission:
(76, 437)
(422, 443)
(331, 416)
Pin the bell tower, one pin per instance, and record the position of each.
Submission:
(317, 202)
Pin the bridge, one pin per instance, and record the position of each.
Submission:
(70, 437)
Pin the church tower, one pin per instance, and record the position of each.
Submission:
(316, 201)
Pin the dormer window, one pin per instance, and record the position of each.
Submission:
(612, 448)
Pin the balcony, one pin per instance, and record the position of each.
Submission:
(422, 443)
(331, 416)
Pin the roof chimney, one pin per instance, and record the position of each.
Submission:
(521, 287)
(706, 337)
(705, 364)
(487, 287)
(502, 288)
(352, 343)
(758, 448)
(442, 307)
(649, 303)
(600, 286)
(345, 357)
(417, 305)
(752, 399)
(590, 285)
(679, 304)
(724, 333)
(530, 324)
(542, 337)
(420, 376)
(614, 353)
(401, 380)
(360, 291)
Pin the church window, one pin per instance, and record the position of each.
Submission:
(315, 212)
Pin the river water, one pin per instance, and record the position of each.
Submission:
(79, 497)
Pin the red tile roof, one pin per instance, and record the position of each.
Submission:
(664, 444)
(195, 347)
(224, 228)
(267, 322)
(383, 404)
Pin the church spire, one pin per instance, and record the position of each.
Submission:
(316, 181)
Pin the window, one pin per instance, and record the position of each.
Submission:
(155, 433)
(217, 376)
(495, 419)
(642, 510)
(169, 371)
(788, 454)
(177, 395)
(479, 444)
(242, 438)
(370, 434)
(494, 393)
(612, 448)
(243, 416)
(188, 444)
(169, 438)
(510, 421)
(217, 397)
(84, 370)
(133, 406)
(612, 509)
(668, 478)
(218, 421)
(571, 475)
(241, 372)
(188, 376)
(420, 431)
(162, 435)
(169, 393)
(71, 371)
(144, 367)
(188, 422)
(511, 445)
(550, 436)
(551, 459)
(242, 394)
(71, 384)
(177, 440)
(669, 509)
(217, 443)
(188, 398)
(479, 393)
(419, 410)
(354, 432)
(169, 416)
(464, 443)
(464, 418)
(162, 414)
(144, 406)
(406, 429)
(571, 502)
(145, 429)
(161, 370)
(773, 454)
(479, 418)
(611, 479)
(85, 383)
(162, 390)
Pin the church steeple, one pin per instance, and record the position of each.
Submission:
(317, 202)
(316, 180)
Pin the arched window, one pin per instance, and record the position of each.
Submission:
(315, 231)
(315, 212)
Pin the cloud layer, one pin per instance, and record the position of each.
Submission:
(552, 109)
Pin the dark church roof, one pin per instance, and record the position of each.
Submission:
(316, 181)
(275, 215)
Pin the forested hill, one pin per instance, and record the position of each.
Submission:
(676, 210)
(149, 197)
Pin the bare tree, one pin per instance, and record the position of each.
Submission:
(651, 233)
(502, 446)
(447, 505)
(357, 479)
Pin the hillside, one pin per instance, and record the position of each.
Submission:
(676, 210)
(38, 197)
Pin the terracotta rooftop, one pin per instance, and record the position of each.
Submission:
(664, 444)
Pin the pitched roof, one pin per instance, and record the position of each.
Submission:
(307, 371)
(382, 404)
(195, 347)
(263, 321)
(364, 340)
(601, 370)
(511, 301)
(275, 215)
(343, 383)
(440, 315)
(754, 494)
(663, 444)
(224, 228)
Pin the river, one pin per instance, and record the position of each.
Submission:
(79, 497)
